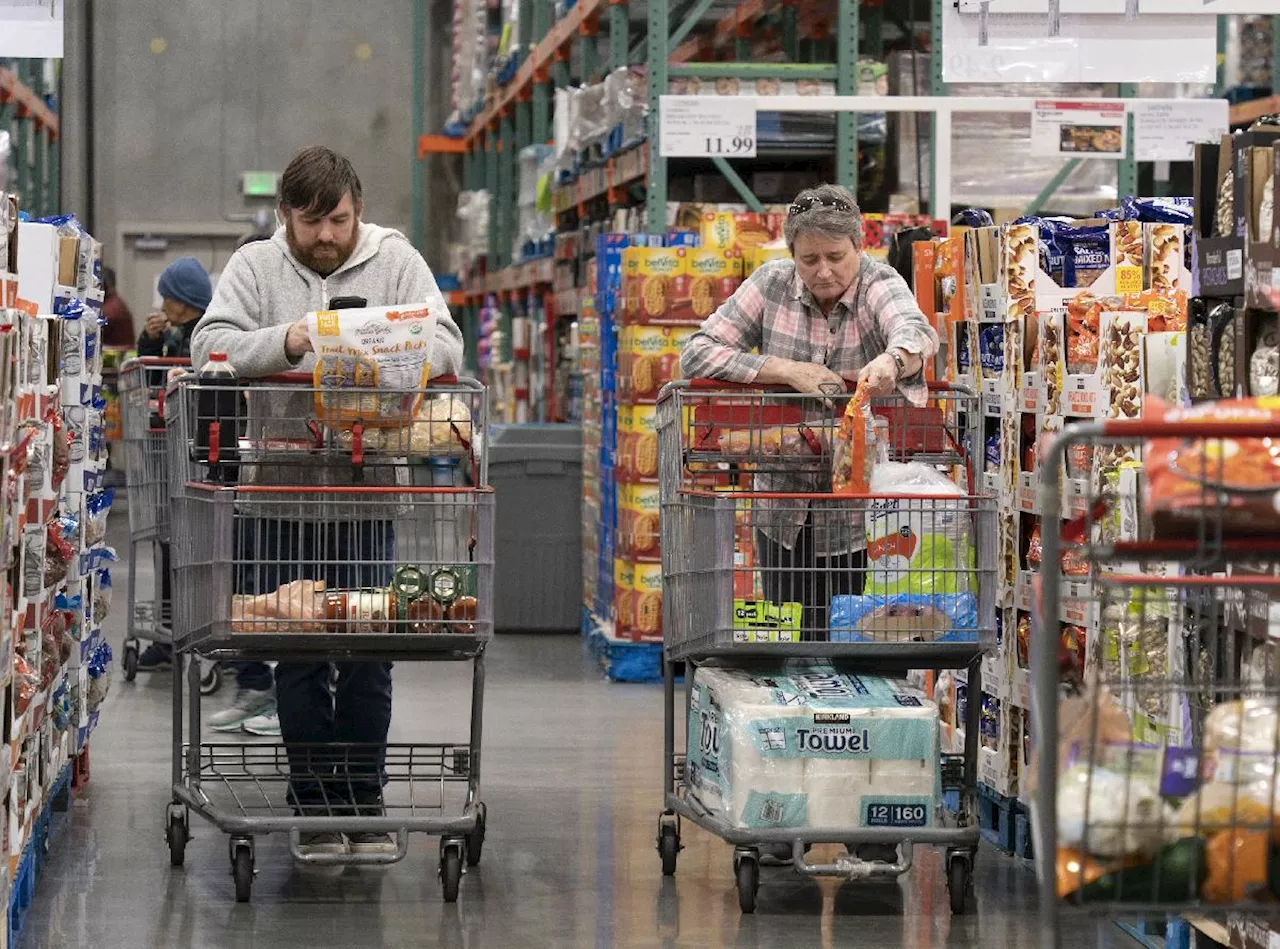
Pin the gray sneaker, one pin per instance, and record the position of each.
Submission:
(245, 704)
(266, 725)
(321, 843)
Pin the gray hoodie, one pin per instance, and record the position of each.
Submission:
(264, 290)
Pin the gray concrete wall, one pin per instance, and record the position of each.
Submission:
(189, 94)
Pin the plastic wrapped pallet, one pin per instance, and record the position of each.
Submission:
(807, 746)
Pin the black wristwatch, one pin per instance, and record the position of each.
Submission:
(899, 361)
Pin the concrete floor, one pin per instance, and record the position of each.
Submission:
(572, 783)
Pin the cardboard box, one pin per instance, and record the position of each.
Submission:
(663, 285)
(638, 526)
(726, 230)
(637, 444)
(647, 607)
(1262, 250)
(649, 358)
(756, 257)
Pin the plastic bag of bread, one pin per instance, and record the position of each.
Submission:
(294, 607)
(372, 348)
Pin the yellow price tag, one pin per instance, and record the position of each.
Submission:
(1128, 279)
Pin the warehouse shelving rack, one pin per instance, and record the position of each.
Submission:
(34, 135)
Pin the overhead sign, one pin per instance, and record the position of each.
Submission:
(1167, 131)
(1078, 129)
(707, 126)
(31, 29)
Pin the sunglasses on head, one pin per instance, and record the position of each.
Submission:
(809, 203)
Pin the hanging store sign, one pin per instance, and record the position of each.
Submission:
(1078, 129)
(31, 29)
(707, 126)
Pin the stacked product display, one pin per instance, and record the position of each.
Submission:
(58, 590)
(649, 296)
(1058, 321)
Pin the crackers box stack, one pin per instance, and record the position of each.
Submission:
(677, 285)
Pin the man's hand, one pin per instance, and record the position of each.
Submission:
(298, 342)
(155, 325)
(878, 377)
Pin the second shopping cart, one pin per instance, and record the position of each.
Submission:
(141, 386)
(798, 610)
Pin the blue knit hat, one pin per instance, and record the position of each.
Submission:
(186, 281)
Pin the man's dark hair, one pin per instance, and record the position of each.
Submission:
(316, 180)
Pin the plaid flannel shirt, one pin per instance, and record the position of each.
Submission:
(775, 314)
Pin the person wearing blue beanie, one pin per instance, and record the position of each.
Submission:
(185, 291)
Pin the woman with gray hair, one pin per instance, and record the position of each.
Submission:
(828, 316)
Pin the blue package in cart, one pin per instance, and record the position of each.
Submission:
(905, 617)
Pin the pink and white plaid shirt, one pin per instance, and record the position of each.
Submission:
(775, 314)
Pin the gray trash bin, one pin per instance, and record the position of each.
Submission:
(536, 472)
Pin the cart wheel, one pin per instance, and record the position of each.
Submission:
(668, 848)
(129, 661)
(177, 834)
(450, 873)
(958, 879)
(242, 870)
(211, 678)
(748, 871)
(475, 839)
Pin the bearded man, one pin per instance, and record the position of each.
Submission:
(257, 318)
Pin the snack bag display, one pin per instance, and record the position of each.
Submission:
(379, 348)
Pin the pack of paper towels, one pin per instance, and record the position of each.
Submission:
(807, 746)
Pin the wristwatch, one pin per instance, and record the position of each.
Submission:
(899, 361)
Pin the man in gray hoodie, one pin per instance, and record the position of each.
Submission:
(257, 317)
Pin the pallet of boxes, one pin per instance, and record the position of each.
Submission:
(667, 293)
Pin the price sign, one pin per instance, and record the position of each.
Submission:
(1166, 131)
(1078, 129)
(707, 126)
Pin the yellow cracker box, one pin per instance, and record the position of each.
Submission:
(649, 358)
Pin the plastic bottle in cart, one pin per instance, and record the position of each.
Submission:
(217, 414)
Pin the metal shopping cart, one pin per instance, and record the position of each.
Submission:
(1157, 741)
(141, 386)
(310, 529)
(739, 467)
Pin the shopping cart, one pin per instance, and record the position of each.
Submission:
(308, 529)
(1155, 788)
(739, 467)
(141, 386)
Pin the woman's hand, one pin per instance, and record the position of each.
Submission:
(810, 378)
(878, 377)
(155, 326)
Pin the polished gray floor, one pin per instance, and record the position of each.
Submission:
(572, 781)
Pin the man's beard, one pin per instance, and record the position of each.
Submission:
(324, 259)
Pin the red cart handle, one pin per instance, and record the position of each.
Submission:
(1190, 428)
(307, 379)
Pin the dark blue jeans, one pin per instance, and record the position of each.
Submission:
(336, 743)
